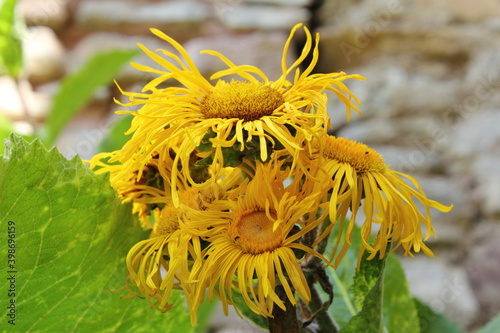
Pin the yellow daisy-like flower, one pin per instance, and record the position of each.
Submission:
(164, 262)
(252, 114)
(147, 192)
(253, 251)
(361, 178)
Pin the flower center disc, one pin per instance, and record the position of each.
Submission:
(168, 222)
(358, 155)
(243, 100)
(253, 232)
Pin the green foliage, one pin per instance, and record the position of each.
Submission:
(79, 87)
(11, 53)
(366, 279)
(234, 155)
(72, 235)
(400, 311)
(364, 291)
(493, 326)
(116, 137)
(368, 291)
(432, 322)
(342, 308)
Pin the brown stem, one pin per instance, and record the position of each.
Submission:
(315, 273)
(322, 317)
(284, 321)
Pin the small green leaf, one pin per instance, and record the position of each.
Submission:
(71, 237)
(206, 144)
(205, 161)
(116, 137)
(432, 322)
(400, 312)
(493, 326)
(11, 49)
(78, 88)
(231, 157)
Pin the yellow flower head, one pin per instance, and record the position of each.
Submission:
(150, 190)
(162, 263)
(254, 249)
(166, 260)
(362, 179)
(249, 116)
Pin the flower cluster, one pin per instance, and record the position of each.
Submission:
(234, 178)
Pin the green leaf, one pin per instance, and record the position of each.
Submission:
(78, 88)
(432, 322)
(397, 301)
(342, 308)
(493, 326)
(71, 236)
(368, 291)
(6, 128)
(11, 53)
(366, 279)
(231, 157)
(116, 137)
(400, 312)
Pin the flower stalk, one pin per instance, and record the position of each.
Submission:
(284, 321)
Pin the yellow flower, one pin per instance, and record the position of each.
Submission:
(164, 262)
(361, 178)
(146, 192)
(254, 249)
(237, 117)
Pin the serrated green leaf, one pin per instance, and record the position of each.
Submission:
(71, 238)
(432, 322)
(78, 88)
(493, 326)
(400, 312)
(116, 137)
(11, 53)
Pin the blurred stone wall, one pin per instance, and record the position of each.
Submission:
(431, 102)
